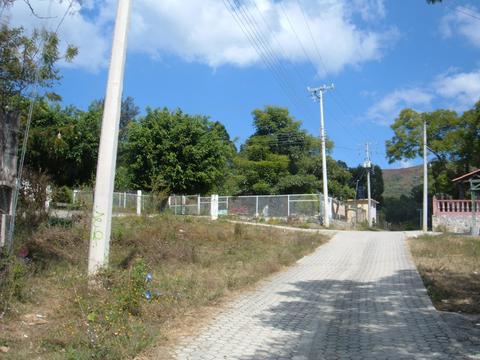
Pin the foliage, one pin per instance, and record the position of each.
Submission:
(454, 141)
(174, 151)
(376, 182)
(62, 194)
(282, 158)
(63, 142)
(193, 263)
(31, 211)
(13, 279)
(26, 61)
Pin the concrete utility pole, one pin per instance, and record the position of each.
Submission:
(317, 94)
(425, 178)
(102, 207)
(368, 165)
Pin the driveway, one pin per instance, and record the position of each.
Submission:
(357, 297)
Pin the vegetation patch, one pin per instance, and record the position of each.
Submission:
(450, 268)
(162, 270)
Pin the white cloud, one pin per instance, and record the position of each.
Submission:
(387, 109)
(404, 163)
(464, 21)
(461, 88)
(204, 30)
(76, 30)
(452, 89)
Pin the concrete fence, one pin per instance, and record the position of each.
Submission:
(456, 216)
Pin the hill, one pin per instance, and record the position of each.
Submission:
(399, 182)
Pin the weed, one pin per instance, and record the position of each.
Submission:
(192, 263)
(13, 280)
(450, 268)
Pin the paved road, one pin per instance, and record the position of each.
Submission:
(357, 297)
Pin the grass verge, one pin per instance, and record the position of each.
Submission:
(450, 268)
(161, 269)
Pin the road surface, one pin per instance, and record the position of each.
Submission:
(357, 297)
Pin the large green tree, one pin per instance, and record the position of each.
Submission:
(63, 142)
(282, 158)
(452, 139)
(176, 152)
(26, 61)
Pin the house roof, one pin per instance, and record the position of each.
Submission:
(466, 176)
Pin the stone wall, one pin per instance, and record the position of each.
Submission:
(459, 224)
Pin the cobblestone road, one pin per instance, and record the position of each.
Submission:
(357, 297)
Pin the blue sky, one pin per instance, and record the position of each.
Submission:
(382, 56)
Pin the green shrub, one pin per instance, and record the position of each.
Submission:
(13, 279)
(62, 195)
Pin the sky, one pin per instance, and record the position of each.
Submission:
(225, 58)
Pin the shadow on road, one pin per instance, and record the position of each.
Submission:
(391, 317)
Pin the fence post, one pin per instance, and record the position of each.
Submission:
(198, 205)
(175, 197)
(124, 200)
(227, 204)
(48, 198)
(256, 206)
(288, 205)
(75, 192)
(3, 230)
(139, 202)
(214, 207)
(183, 204)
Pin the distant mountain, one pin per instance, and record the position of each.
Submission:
(401, 181)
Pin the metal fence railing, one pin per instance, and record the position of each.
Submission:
(267, 206)
(249, 206)
(123, 202)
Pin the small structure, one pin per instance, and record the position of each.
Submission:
(361, 215)
(459, 216)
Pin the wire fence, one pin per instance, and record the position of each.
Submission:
(268, 206)
(123, 202)
(300, 206)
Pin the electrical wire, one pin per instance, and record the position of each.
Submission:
(322, 62)
(262, 48)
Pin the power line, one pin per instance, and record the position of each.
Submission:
(262, 48)
(309, 58)
(302, 77)
(465, 11)
(312, 37)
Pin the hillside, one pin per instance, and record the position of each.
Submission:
(401, 181)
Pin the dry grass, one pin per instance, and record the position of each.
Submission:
(450, 268)
(195, 263)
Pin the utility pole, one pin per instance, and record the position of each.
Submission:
(368, 165)
(317, 94)
(104, 183)
(425, 178)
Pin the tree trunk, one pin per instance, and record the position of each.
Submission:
(9, 127)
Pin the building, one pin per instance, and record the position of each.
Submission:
(459, 216)
(361, 216)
